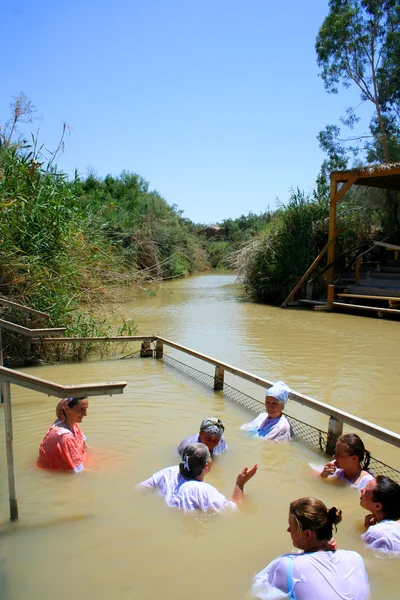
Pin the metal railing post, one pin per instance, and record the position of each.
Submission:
(335, 430)
(159, 349)
(218, 378)
(5, 386)
(145, 350)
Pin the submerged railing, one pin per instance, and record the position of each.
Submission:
(337, 417)
(326, 441)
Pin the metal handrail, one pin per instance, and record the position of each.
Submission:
(24, 309)
(339, 415)
(30, 333)
(8, 376)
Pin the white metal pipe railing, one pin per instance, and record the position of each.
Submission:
(339, 415)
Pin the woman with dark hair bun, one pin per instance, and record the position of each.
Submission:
(382, 498)
(63, 447)
(320, 571)
(183, 486)
(350, 463)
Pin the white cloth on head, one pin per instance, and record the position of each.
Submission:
(339, 474)
(336, 575)
(279, 430)
(187, 494)
(280, 391)
(383, 537)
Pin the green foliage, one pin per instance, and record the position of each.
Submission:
(233, 234)
(272, 264)
(50, 258)
(358, 43)
(152, 234)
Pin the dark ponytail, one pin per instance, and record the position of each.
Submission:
(355, 447)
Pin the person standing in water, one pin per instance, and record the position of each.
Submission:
(272, 424)
(63, 447)
(211, 434)
(351, 461)
(183, 486)
(320, 571)
(381, 497)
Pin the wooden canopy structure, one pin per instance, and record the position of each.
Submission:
(385, 176)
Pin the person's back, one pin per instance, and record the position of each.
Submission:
(187, 494)
(336, 575)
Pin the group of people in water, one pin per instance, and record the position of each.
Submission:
(320, 565)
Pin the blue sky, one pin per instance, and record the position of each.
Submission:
(216, 103)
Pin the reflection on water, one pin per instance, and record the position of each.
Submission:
(97, 535)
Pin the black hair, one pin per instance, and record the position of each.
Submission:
(355, 447)
(387, 492)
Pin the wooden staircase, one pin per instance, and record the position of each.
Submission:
(376, 290)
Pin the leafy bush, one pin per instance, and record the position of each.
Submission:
(272, 264)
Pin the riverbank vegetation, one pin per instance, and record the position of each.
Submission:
(67, 245)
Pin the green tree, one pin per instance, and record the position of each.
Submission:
(358, 44)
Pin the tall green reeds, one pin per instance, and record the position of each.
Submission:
(272, 264)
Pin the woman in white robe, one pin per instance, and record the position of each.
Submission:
(381, 497)
(183, 486)
(320, 571)
(272, 424)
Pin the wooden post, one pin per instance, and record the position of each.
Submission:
(335, 430)
(311, 267)
(10, 453)
(332, 230)
(145, 350)
(28, 346)
(159, 349)
(331, 296)
(218, 378)
(357, 271)
(1, 365)
(309, 289)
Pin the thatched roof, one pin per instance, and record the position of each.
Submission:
(385, 176)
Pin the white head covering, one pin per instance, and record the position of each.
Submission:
(280, 391)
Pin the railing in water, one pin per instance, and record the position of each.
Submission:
(326, 441)
(8, 376)
(336, 416)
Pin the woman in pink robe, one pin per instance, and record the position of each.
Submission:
(63, 446)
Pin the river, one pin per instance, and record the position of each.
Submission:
(96, 535)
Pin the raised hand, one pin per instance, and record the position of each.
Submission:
(245, 475)
(370, 520)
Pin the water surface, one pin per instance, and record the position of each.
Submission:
(96, 535)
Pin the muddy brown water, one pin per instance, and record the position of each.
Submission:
(95, 535)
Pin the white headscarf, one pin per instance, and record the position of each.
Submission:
(280, 391)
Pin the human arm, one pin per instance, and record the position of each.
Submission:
(255, 423)
(148, 482)
(329, 469)
(72, 453)
(241, 480)
(272, 582)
